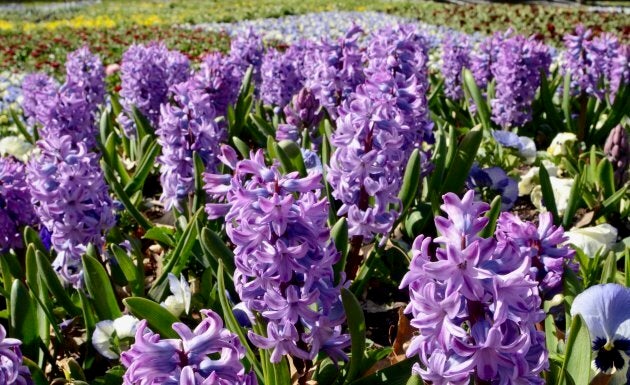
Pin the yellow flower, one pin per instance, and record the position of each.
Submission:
(6, 25)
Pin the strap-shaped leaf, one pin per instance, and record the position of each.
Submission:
(577, 360)
(547, 193)
(159, 319)
(99, 287)
(492, 215)
(339, 235)
(411, 180)
(214, 245)
(144, 169)
(462, 161)
(124, 198)
(23, 320)
(356, 325)
(51, 281)
(482, 107)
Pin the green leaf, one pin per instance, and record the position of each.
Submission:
(397, 374)
(199, 199)
(566, 102)
(609, 204)
(143, 125)
(295, 154)
(99, 287)
(124, 198)
(241, 146)
(214, 245)
(575, 196)
(577, 360)
(285, 161)
(129, 269)
(356, 326)
(21, 127)
(31, 237)
(339, 235)
(547, 193)
(24, 319)
(492, 215)
(546, 97)
(51, 281)
(462, 162)
(232, 324)
(36, 372)
(627, 267)
(415, 380)
(178, 256)
(482, 107)
(158, 318)
(411, 180)
(606, 177)
(160, 234)
(144, 169)
(609, 272)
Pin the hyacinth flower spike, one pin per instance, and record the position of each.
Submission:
(604, 308)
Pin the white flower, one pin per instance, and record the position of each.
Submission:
(530, 179)
(180, 300)
(561, 192)
(559, 144)
(527, 149)
(105, 331)
(15, 146)
(593, 239)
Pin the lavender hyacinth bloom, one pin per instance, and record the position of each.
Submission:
(187, 127)
(85, 71)
(304, 113)
(69, 109)
(71, 199)
(247, 50)
(366, 165)
(543, 244)
(617, 150)
(283, 255)
(456, 51)
(620, 70)
(12, 370)
(335, 70)
(209, 354)
(482, 59)
(16, 210)
(518, 75)
(220, 78)
(474, 303)
(147, 73)
(280, 80)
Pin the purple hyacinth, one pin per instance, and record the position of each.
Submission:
(209, 354)
(16, 210)
(617, 150)
(620, 70)
(517, 71)
(474, 303)
(85, 71)
(543, 244)
(482, 59)
(456, 51)
(334, 70)
(493, 181)
(186, 127)
(247, 50)
(589, 60)
(220, 77)
(12, 370)
(147, 72)
(283, 255)
(70, 109)
(365, 169)
(39, 92)
(403, 52)
(304, 113)
(71, 199)
(280, 80)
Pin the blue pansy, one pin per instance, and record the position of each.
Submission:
(606, 311)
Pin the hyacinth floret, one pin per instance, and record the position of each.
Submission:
(247, 50)
(304, 113)
(335, 69)
(16, 210)
(283, 255)
(620, 69)
(220, 78)
(518, 69)
(474, 303)
(403, 52)
(486, 54)
(280, 79)
(187, 126)
(146, 73)
(69, 109)
(209, 354)
(12, 369)
(456, 49)
(365, 169)
(544, 245)
(71, 200)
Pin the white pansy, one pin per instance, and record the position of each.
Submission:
(15, 146)
(593, 239)
(528, 149)
(530, 179)
(105, 331)
(561, 192)
(559, 144)
(179, 301)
